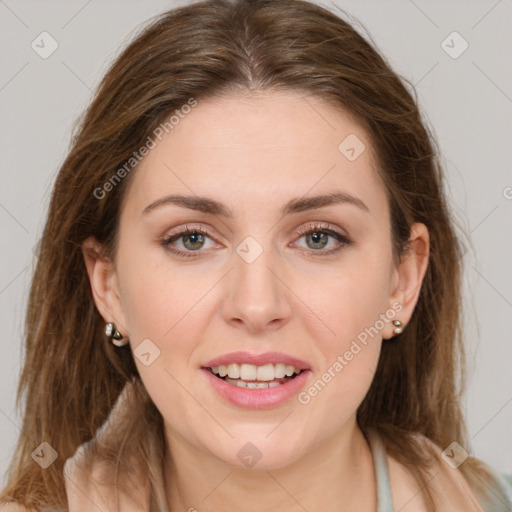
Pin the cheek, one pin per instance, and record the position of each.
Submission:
(349, 299)
(154, 293)
(352, 305)
(166, 305)
(164, 314)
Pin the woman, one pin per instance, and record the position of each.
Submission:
(250, 269)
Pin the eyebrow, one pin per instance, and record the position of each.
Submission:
(297, 205)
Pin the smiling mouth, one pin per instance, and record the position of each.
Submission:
(253, 377)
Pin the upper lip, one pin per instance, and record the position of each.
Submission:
(257, 359)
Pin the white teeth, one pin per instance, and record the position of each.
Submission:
(280, 371)
(252, 385)
(233, 371)
(248, 372)
(289, 371)
(251, 372)
(265, 372)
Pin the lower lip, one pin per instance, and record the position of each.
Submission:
(265, 398)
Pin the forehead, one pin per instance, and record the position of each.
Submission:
(244, 148)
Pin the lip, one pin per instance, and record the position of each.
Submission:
(257, 398)
(257, 359)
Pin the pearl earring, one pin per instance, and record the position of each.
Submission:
(115, 335)
(399, 329)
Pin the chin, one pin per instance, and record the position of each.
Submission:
(260, 453)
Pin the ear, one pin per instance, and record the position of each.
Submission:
(408, 277)
(104, 284)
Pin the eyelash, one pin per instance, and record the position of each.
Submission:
(315, 228)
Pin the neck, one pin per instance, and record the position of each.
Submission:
(336, 474)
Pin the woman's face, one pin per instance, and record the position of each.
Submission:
(255, 283)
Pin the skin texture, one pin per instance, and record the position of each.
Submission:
(253, 154)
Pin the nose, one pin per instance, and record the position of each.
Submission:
(257, 298)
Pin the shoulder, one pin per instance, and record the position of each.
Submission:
(90, 478)
(447, 484)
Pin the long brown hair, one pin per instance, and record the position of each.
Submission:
(72, 375)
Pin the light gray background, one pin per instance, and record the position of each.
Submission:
(468, 101)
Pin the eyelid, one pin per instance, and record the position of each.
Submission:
(342, 239)
(320, 226)
(180, 231)
(189, 226)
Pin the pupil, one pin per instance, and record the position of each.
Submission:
(193, 238)
(316, 236)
